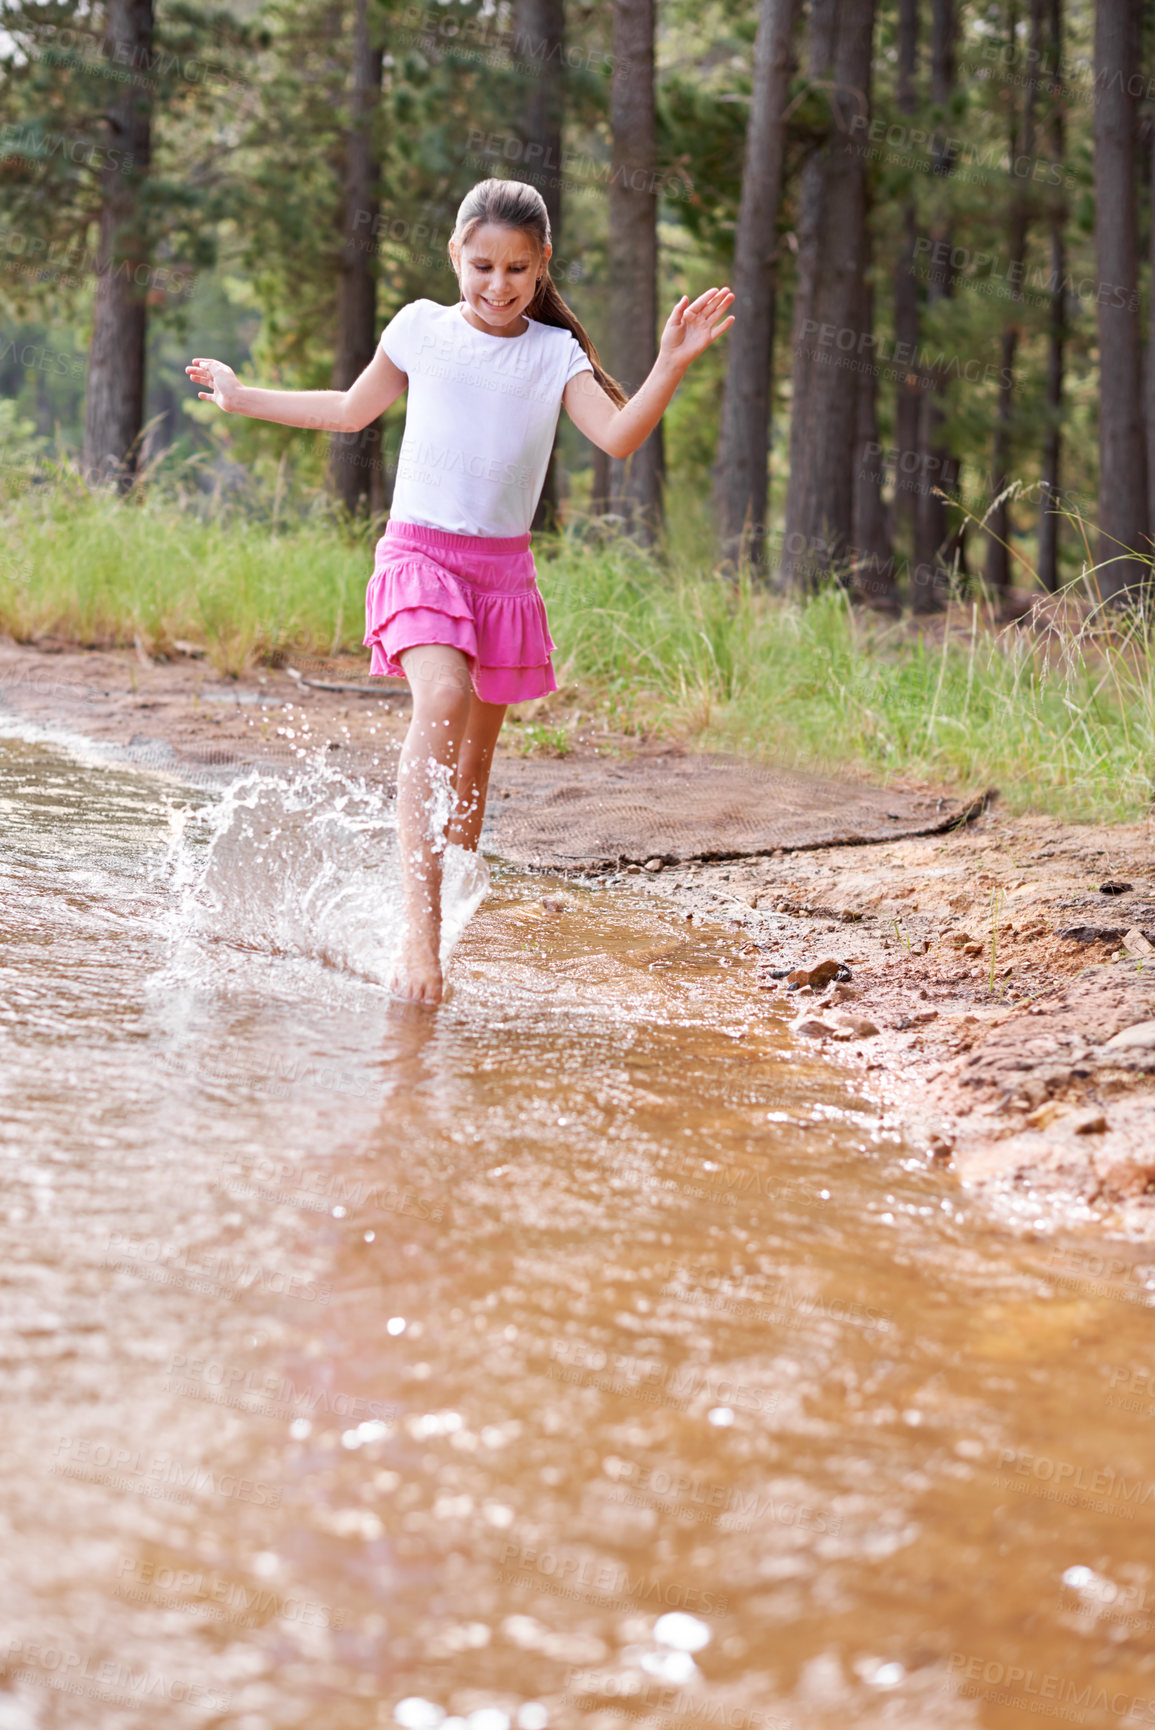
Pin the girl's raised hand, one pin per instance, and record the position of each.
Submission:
(221, 380)
(690, 329)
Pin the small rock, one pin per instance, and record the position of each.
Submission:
(838, 992)
(820, 975)
(941, 1146)
(1091, 1123)
(652, 865)
(921, 1019)
(1140, 1037)
(1112, 888)
(554, 903)
(972, 948)
(854, 1027)
(1135, 943)
(811, 1027)
(959, 939)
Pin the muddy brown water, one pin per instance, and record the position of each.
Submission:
(584, 1353)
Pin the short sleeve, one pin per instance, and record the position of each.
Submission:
(579, 360)
(397, 337)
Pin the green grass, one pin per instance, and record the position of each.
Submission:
(1060, 721)
(98, 571)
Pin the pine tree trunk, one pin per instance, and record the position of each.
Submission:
(1149, 402)
(831, 260)
(356, 459)
(1049, 520)
(1123, 518)
(636, 483)
(873, 576)
(740, 478)
(908, 396)
(114, 407)
(1022, 144)
(539, 42)
(938, 467)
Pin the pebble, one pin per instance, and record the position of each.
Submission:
(1094, 1123)
(811, 1027)
(854, 1027)
(820, 975)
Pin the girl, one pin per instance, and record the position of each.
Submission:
(453, 602)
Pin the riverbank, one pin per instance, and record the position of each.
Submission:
(1000, 997)
(997, 964)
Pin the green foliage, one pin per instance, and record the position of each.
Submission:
(1059, 719)
(166, 568)
(1059, 716)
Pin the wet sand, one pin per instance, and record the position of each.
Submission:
(997, 1043)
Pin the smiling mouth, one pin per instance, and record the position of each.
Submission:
(498, 305)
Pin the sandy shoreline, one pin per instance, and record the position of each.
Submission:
(994, 1043)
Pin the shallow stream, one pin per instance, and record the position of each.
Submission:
(583, 1353)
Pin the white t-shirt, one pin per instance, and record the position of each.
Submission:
(480, 418)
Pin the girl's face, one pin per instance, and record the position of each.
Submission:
(498, 269)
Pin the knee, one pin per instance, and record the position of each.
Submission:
(442, 711)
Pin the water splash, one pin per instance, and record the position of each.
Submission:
(306, 865)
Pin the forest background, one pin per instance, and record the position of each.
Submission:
(938, 400)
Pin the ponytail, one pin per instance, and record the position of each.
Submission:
(516, 204)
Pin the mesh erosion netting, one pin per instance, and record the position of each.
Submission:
(583, 815)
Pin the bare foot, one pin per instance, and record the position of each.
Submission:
(417, 978)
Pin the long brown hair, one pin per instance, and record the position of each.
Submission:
(516, 204)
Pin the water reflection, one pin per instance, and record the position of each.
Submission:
(578, 1354)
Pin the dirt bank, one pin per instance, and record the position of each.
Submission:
(1000, 965)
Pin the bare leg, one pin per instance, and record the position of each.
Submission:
(473, 765)
(442, 696)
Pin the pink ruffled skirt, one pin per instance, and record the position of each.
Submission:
(475, 593)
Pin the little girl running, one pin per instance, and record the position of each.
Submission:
(453, 602)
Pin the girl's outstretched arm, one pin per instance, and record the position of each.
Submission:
(368, 396)
(690, 329)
